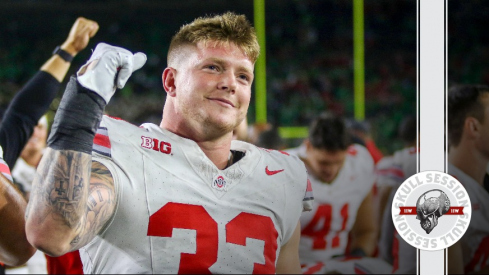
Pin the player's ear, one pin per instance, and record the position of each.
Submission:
(472, 127)
(168, 78)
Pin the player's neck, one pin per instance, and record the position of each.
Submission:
(218, 153)
(214, 145)
(469, 160)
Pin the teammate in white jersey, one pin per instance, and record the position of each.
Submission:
(468, 156)
(179, 197)
(391, 172)
(342, 176)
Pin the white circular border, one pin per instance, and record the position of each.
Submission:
(422, 176)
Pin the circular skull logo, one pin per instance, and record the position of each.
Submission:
(430, 206)
(420, 202)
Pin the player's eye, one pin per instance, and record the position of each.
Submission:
(244, 77)
(212, 67)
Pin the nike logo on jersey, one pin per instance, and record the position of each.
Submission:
(272, 172)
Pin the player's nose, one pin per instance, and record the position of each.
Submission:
(228, 81)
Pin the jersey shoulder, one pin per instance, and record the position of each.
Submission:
(115, 130)
(276, 161)
(405, 155)
(111, 122)
(360, 158)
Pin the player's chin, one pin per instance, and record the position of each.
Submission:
(223, 123)
(327, 178)
(225, 118)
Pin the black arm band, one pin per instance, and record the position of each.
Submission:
(77, 119)
(63, 54)
(23, 113)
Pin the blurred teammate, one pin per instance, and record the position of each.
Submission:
(360, 134)
(391, 173)
(468, 156)
(25, 167)
(271, 139)
(182, 197)
(18, 124)
(393, 170)
(342, 176)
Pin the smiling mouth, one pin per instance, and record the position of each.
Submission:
(223, 101)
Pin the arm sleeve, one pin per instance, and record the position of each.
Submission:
(26, 108)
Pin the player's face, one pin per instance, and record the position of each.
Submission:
(38, 139)
(213, 85)
(324, 164)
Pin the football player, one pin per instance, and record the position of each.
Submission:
(391, 172)
(468, 156)
(342, 177)
(181, 197)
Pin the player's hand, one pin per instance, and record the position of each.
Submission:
(109, 68)
(80, 35)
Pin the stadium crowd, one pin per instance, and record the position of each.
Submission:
(309, 56)
(353, 167)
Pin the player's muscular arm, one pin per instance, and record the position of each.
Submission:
(100, 205)
(364, 232)
(288, 260)
(67, 208)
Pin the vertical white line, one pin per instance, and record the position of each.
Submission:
(431, 35)
(417, 107)
(446, 86)
(446, 109)
(417, 85)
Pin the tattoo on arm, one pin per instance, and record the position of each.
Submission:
(61, 183)
(79, 198)
(100, 204)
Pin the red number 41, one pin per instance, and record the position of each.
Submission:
(325, 213)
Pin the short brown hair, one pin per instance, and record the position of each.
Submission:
(463, 102)
(226, 28)
(329, 132)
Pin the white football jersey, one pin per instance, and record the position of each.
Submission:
(475, 241)
(325, 229)
(393, 248)
(348, 265)
(178, 213)
(393, 170)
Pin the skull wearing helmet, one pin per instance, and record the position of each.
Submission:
(430, 209)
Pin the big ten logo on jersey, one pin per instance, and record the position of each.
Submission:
(245, 244)
(156, 145)
(328, 227)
